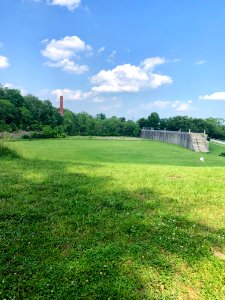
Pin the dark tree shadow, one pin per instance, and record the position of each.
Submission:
(68, 236)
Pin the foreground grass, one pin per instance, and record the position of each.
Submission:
(85, 219)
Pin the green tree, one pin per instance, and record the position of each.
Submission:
(142, 123)
(101, 116)
(153, 120)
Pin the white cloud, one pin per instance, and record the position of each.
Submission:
(44, 41)
(67, 47)
(71, 95)
(4, 62)
(200, 62)
(61, 52)
(112, 56)
(162, 104)
(110, 107)
(182, 106)
(156, 80)
(175, 60)
(70, 4)
(214, 96)
(12, 86)
(9, 85)
(98, 100)
(152, 62)
(69, 66)
(130, 78)
(101, 49)
(179, 106)
(78, 95)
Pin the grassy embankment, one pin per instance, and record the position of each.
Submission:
(102, 219)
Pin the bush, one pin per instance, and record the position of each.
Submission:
(48, 132)
(25, 137)
(222, 154)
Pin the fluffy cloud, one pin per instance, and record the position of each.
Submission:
(71, 95)
(179, 106)
(200, 62)
(161, 104)
(152, 62)
(130, 78)
(69, 66)
(98, 100)
(61, 52)
(101, 49)
(182, 106)
(110, 107)
(112, 56)
(13, 86)
(214, 96)
(67, 47)
(4, 62)
(70, 4)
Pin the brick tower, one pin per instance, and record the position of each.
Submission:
(61, 109)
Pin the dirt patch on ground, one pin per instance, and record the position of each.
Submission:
(218, 254)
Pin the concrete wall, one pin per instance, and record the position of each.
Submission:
(184, 139)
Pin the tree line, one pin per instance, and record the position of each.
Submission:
(214, 127)
(28, 113)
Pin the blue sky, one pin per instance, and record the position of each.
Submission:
(125, 58)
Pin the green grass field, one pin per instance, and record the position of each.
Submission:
(105, 219)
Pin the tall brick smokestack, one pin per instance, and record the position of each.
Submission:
(61, 109)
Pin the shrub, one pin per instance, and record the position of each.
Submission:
(48, 132)
(222, 154)
(25, 137)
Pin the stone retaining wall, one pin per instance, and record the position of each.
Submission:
(184, 139)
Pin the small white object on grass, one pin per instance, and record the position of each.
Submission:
(202, 159)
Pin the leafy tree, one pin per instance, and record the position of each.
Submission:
(29, 113)
(153, 120)
(122, 119)
(142, 123)
(101, 116)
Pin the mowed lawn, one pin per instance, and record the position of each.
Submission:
(106, 219)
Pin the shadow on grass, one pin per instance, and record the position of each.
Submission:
(70, 236)
(5, 151)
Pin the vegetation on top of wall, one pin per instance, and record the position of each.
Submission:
(214, 127)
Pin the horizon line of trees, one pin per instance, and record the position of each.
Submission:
(29, 113)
